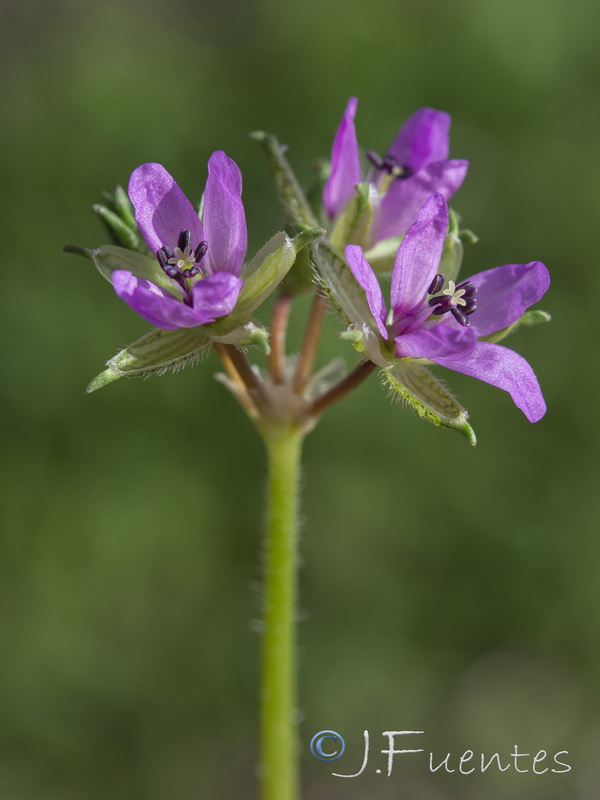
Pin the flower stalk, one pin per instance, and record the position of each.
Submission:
(278, 716)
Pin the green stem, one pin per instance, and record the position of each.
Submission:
(278, 745)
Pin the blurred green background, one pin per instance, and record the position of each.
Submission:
(444, 589)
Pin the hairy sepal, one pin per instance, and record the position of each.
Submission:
(415, 385)
(382, 256)
(109, 258)
(249, 334)
(354, 224)
(340, 285)
(269, 267)
(452, 252)
(293, 199)
(118, 230)
(529, 318)
(157, 352)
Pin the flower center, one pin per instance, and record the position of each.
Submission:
(390, 165)
(389, 170)
(182, 264)
(459, 300)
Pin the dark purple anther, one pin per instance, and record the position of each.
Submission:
(470, 307)
(436, 284)
(374, 159)
(392, 167)
(469, 287)
(460, 317)
(441, 309)
(167, 251)
(200, 251)
(162, 257)
(444, 302)
(185, 237)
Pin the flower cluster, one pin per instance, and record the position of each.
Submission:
(184, 271)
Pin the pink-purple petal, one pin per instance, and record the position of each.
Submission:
(345, 164)
(419, 255)
(367, 280)
(505, 293)
(153, 303)
(423, 138)
(215, 296)
(401, 204)
(440, 341)
(224, 218)
(162, 210)
(505, 369)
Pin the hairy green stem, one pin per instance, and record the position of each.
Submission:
(279, 771)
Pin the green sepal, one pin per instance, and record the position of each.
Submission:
(157, 352)
(251, 333)
(124, 208)
(352, 334)
(417, 387)
(289, 190)
(452, 251)
(354, 224)
(340, 285)
(382, 256)
(468, 237)
(79, 250)
(268, 268)
(300, 279)
(314, 190)
(117, 229)
(108, 258)
(529, 318)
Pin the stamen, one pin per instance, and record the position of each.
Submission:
(436, 284)
(460, 317)
(167, 251)
(441, 309)
(389, 164)
(396, 170)
(374, 159)
(200, 251)
(470, 307)
(185, 238)
(468, 286)
(162, 257)
(444, 302)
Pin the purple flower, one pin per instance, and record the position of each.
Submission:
(201, 259)
(415, 166)
(444, 325)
